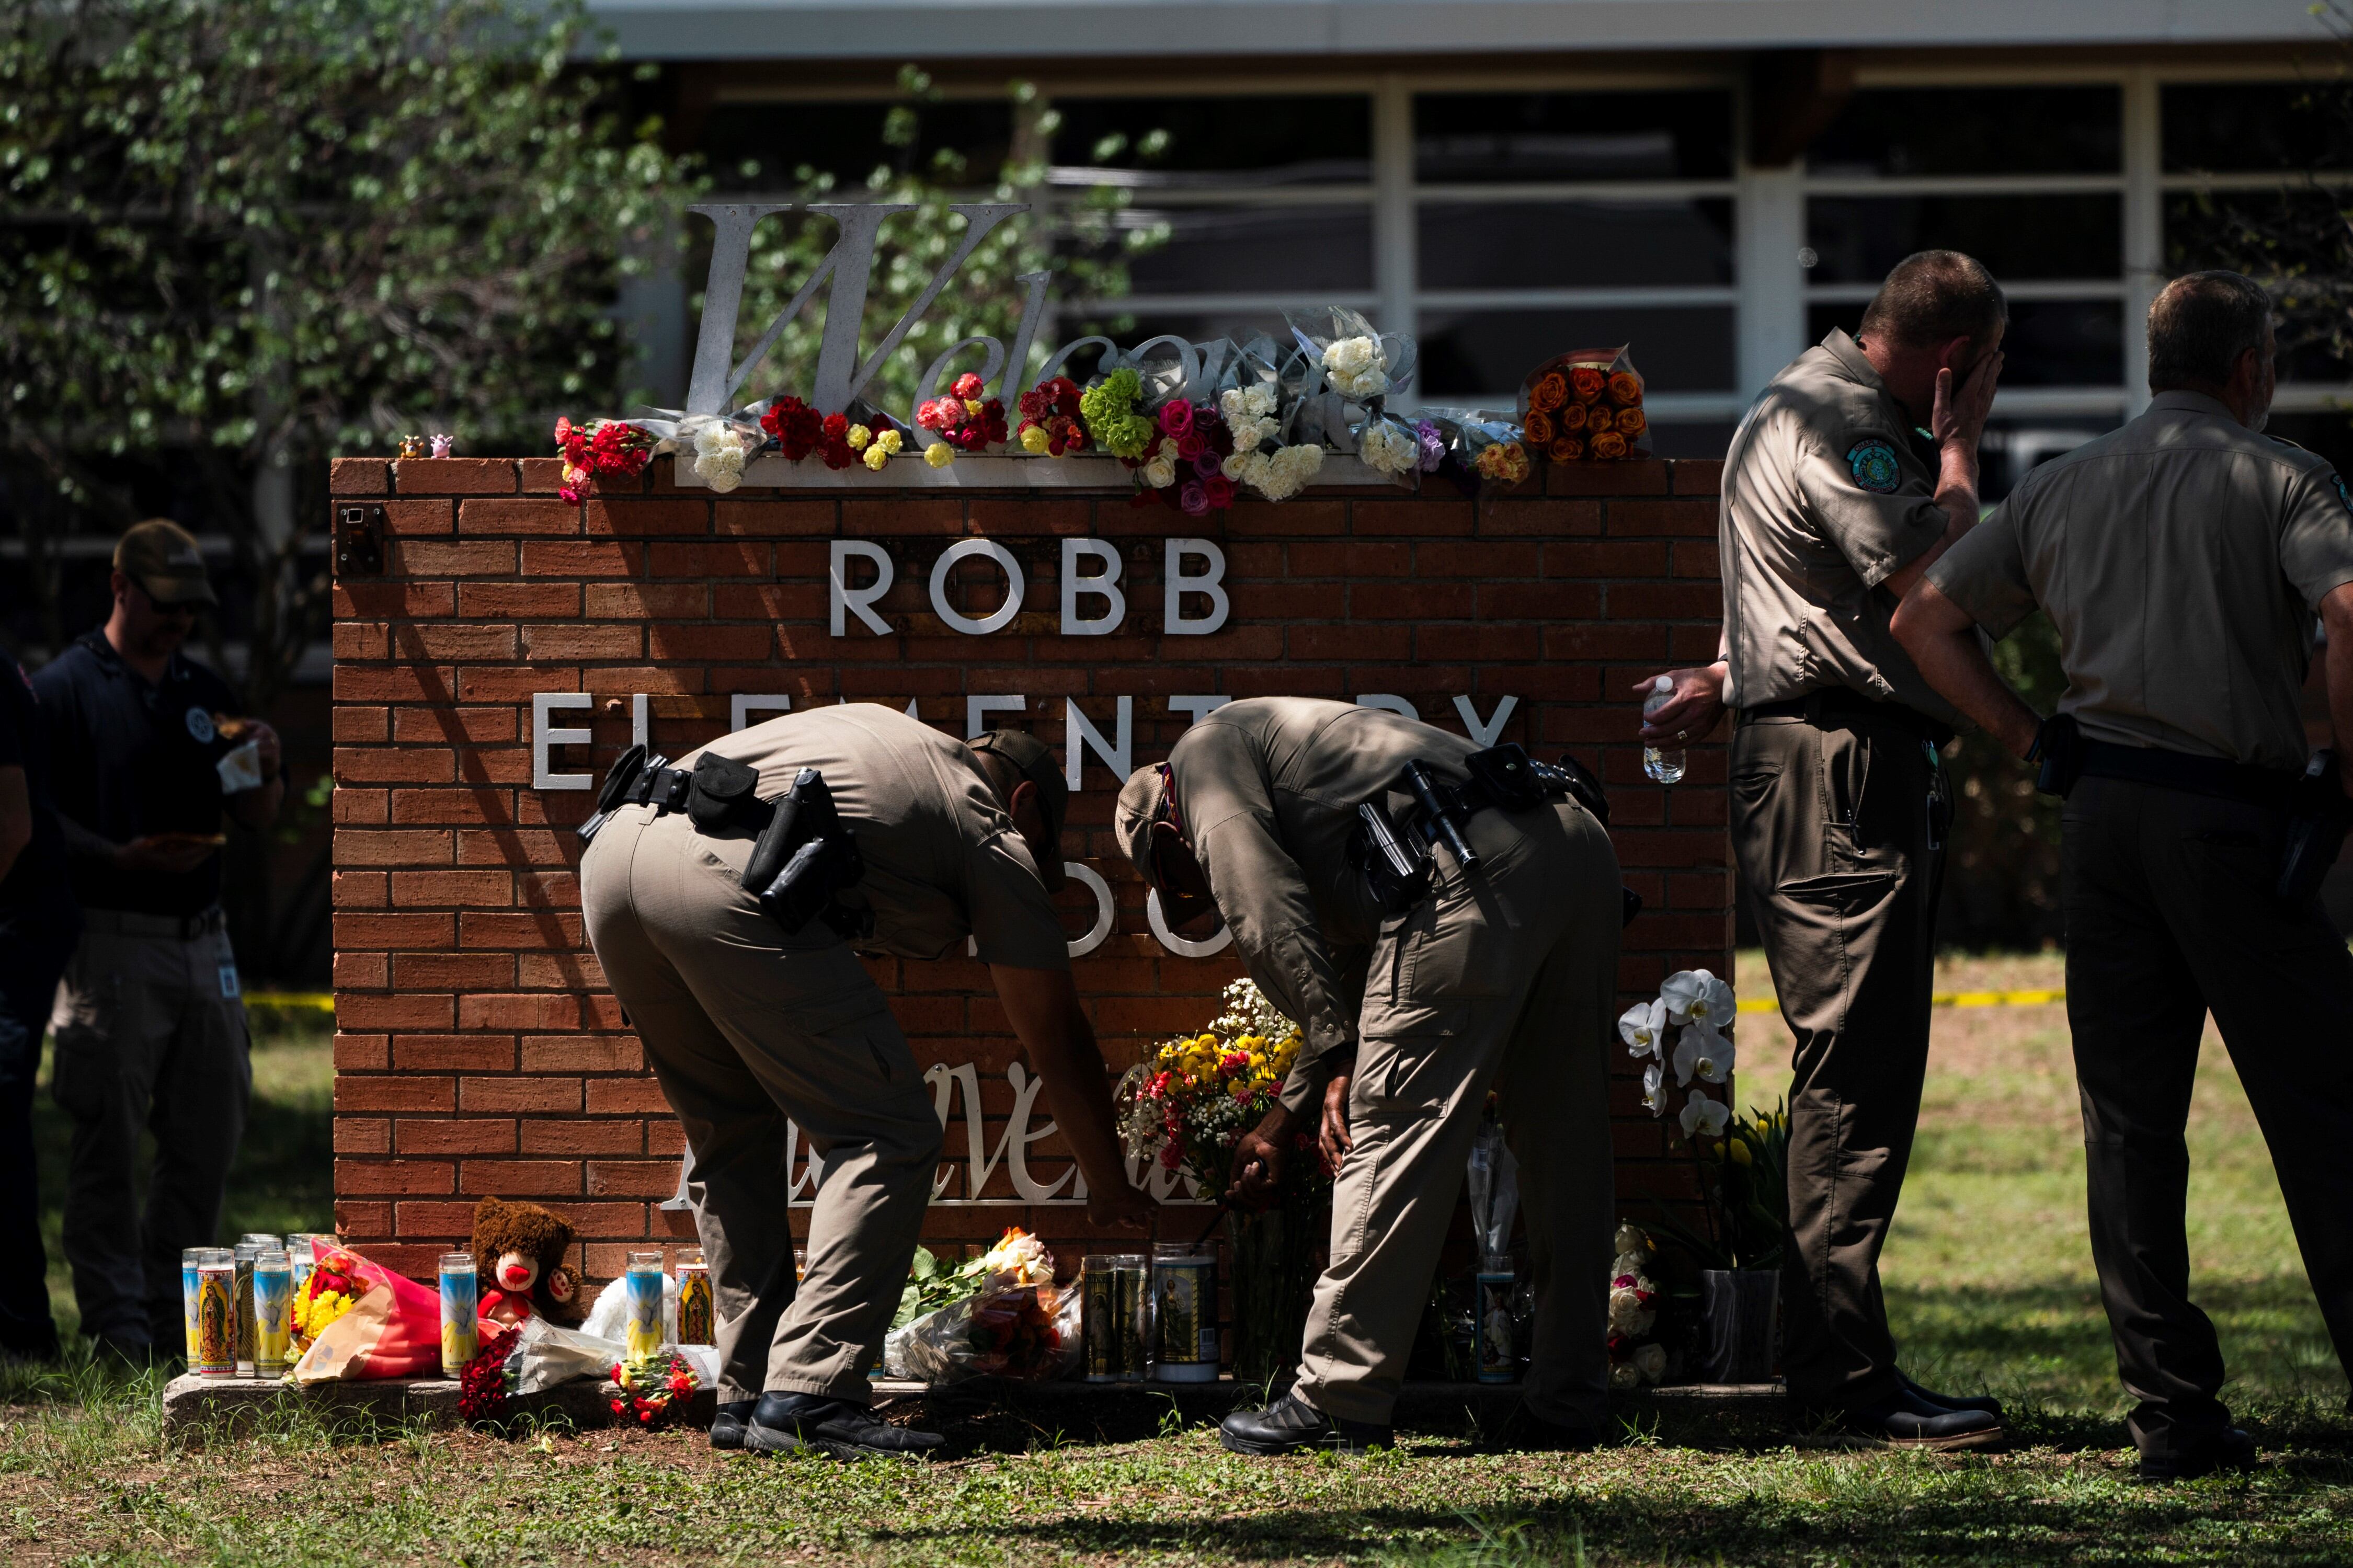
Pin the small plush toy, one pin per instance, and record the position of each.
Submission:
(519, 1255)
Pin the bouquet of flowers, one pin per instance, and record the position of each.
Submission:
(332, 1286)
(1049, 418)
(1742, 1160)
(963, 420)
(1636, 1355)
(1013, 1320)
(1183, 462)
(1587, 404)
(648, 1388)
(1188, 1104)
(486, 1386)
(601, 449)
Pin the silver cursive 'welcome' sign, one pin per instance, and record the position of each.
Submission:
(842, 376)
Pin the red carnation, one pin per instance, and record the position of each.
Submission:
(967, 386)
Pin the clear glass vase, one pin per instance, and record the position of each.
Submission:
(1277, 1257)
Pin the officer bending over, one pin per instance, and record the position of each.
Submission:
(1417, 991)
(904, 842)
(2183, 559)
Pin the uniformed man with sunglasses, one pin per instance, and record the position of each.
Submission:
(1494, 967)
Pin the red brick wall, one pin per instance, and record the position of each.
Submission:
(478, 1051)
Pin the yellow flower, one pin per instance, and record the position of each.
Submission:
(939, 454)
(1738, 1151)
(1033, 439)
(876, 455)
(891, 442)
(971, 406)
(858, 435)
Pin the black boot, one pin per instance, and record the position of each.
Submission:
(781, 1423)
(1984, 1402)
(1904, 1420)
(1290, 1424)
(2232, 1450)
(727, 1426)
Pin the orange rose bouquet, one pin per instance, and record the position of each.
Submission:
(1585, 405)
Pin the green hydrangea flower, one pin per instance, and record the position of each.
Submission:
(1109, 414)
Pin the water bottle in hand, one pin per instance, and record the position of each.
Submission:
(1664, 766)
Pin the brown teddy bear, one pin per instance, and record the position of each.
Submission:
(519, 1257)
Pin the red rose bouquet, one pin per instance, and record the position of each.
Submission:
(602, 449)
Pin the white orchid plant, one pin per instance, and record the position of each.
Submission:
(1698, 1008)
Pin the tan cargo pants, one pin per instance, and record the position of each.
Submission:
(1504, 980)
(745, 1028)
(1829, 821)
(151, 1037)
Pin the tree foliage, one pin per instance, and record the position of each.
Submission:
(2296, 238)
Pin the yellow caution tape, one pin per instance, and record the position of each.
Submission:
(307, 1001)
(1945, 999)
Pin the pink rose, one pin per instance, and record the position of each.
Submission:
(1177, 417)
(1191, 446)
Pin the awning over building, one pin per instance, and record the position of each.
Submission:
(1265, 32)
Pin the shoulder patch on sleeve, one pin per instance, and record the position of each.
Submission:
(1875, 466)
(2342, 493)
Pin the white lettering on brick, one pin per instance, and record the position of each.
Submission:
(546, 737)
(1103, 584)
(1174, 622)
(1078, 732)
(1198, 707)
(1105, 909)
(1489, 732)
(976, 711)
(965, 550)
(743, 704)
(846, 601)
(1389, 701)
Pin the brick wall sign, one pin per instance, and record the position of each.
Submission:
(509, 645)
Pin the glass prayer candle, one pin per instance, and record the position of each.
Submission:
(190, 1258)
(215, 1313)
(461, 1318)
(241, 1258)
(1111, 1305)
(273, 1303)
(1184, 1306)
(698, 1323)
(645, 1287)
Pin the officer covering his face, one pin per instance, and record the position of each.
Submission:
(1465, 941)
(725, 899)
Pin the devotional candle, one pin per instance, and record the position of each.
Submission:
(697, 1316)
(216, 1313)
(273, 1303)
(461, 1318)
(645, 1288)
(190, 1258)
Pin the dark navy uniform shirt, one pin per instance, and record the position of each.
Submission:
(35, 884)
(132, 759)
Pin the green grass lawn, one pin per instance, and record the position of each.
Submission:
(1988, 1277)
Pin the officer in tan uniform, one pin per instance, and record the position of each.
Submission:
(1835, 500)
(1416, 997)
(746, 1024)
(2183, 559)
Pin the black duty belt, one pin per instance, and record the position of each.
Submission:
(2273, 789)
(1839, 702)
(804, 856)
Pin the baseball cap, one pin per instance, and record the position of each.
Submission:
(1143, 801)
(1033, 761)
(163, 558)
